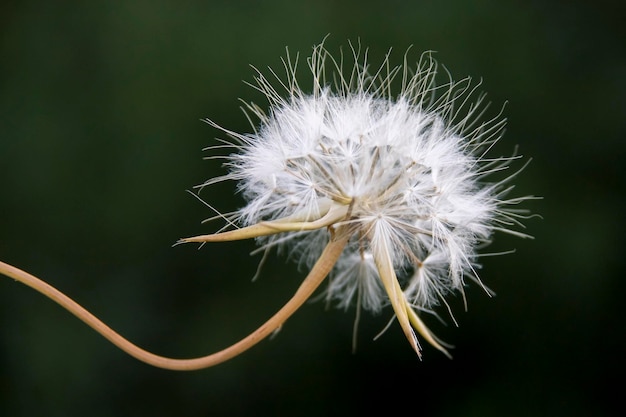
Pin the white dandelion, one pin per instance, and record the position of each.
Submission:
(394, 186)
(388, 193)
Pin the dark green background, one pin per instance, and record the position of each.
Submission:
(100, 137)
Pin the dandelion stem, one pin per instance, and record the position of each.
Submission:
(317, 274)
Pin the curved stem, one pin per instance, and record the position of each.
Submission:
(317, 274)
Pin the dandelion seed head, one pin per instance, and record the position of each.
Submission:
(406, 171)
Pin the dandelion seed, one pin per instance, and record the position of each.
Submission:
(388, 193)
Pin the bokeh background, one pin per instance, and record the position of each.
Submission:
(100, 136)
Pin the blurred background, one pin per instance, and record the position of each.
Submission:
(100, 137)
